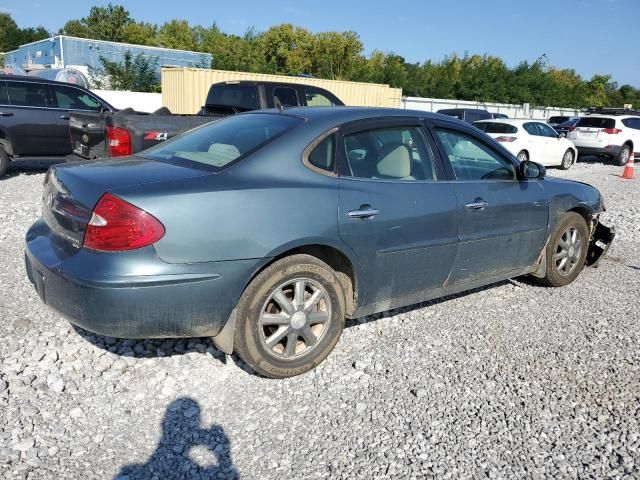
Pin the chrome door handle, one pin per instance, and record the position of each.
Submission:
(6, 114)
(477, 205)
(363, 212)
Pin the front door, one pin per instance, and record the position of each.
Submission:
(394, 211)
(503, 220)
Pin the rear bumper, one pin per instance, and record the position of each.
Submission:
(610, 150)
(133, 294)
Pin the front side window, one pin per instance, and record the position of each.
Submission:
(71, 98)
(317, 99)
(547, 131)
(531, 129)
(472, 159)
(220, 143)
(394, 153)
(285, 97)
(26, 94)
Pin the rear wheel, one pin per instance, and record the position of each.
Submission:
(566, 251)
(290, 317)
(623, 155)
(523, 156)
(567, 159)
(4, 161)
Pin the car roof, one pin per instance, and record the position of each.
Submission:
(343, 114)
(25, 78)
(510, 121)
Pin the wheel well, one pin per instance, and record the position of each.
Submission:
(525, 151)
(586, 214)
(630, 143)
(337, 260)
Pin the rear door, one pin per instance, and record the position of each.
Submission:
(394, 210)
(592, 131)
(503, 220)
(67, 98)
(31, 120)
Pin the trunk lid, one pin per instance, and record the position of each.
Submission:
(71, 191)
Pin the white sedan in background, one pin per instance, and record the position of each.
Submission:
(531, 140)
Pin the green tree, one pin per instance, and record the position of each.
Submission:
(335, 54)
(177, 34)
(103, 23)
(141, 33)
(11, 36)
(288, 49)
(136, 74)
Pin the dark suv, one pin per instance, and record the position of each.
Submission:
(34, 116)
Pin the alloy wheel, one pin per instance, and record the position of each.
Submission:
(568, 251)
(294, 318)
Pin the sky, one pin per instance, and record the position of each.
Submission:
(590, 36)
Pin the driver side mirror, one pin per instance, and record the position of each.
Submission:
(530, 170)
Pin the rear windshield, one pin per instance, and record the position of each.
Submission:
(220, 143)
(243, 97)
(488, 127)
(596, 122)
(557, 119)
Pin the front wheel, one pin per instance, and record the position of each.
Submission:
(290, 317)
(567, 159)
(566, 251)
(523, 156)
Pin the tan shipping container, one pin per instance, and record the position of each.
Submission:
(184, 90)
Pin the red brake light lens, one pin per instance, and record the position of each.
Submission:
(118, 142)
(117, 225)
(612, 131)
(506, 139)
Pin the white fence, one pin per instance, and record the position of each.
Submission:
(140, 101)
(512, 111)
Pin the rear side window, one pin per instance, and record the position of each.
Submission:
(496, 127)
(74, 99)
(26, 94)
(285, 97)
(4, 96)
(394, 153)
(323, 155)
(627, 122)
(315, 98)
(243, 97)
(596, 122)
(220, 143)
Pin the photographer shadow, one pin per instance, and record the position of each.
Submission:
(186, 450)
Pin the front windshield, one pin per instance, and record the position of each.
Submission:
(220, 143)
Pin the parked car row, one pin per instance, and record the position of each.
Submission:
(45, 118)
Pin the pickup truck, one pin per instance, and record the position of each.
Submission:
(105, 134)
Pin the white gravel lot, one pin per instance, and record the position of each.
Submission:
(511, 381)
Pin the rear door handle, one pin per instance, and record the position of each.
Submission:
(365, 211)
(6, 114)
(477, 205)
(64, 117)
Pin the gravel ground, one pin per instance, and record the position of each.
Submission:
(512, 381)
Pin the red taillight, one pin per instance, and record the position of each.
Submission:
(117, 225)
(612, 131)
(118, 142)
(506, 139)
(570, 129)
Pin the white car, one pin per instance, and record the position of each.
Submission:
(613, 135)
(531, 140)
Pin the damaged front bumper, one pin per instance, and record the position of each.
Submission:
(601, 239)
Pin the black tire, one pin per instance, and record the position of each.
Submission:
(522, 156)
(623, 155)
(574, 262)
(257, 305)
(568, 159)
(4, 161)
